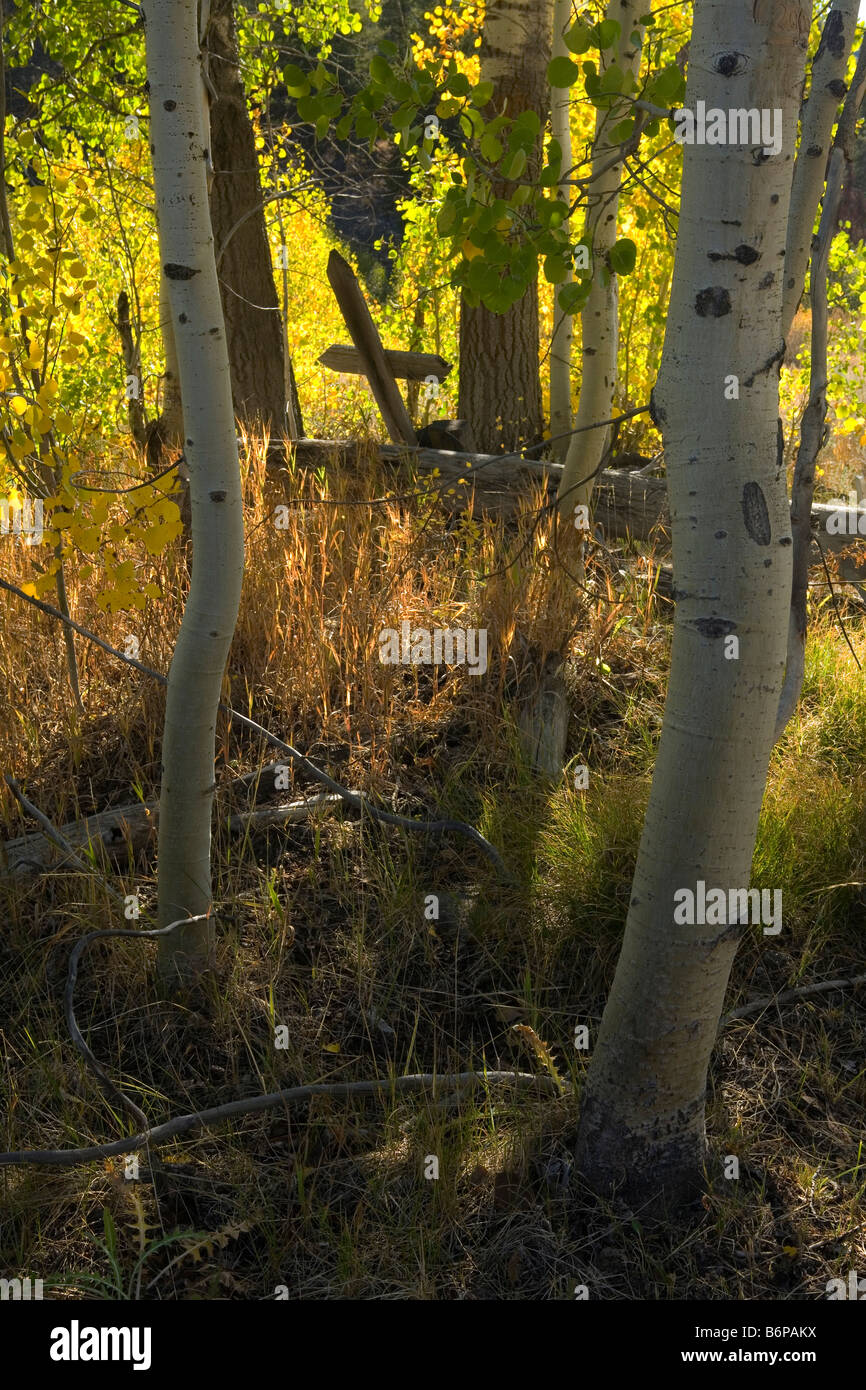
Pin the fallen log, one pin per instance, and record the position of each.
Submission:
(625, 504)
(406, 366)
(122, 832)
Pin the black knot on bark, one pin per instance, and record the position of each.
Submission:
(755, 514)
(713, 303)
(730, 64)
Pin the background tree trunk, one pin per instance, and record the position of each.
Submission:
(500, 384)
(563, 324)
(829, 71)
(249, 295)
(600, 316)
(642, 1113)
(210, 444)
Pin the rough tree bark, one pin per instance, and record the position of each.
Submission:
(600, 316)
(562, 338)
(642, 1113)
(180, 140)
(500, 386)
(249, 295)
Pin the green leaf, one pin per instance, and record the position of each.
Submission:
(612, 79)
(621, 132)
(562, 72)
(447, 219)
(458, 84)
(481, 93)
(514, 165)
(622, 256)
(491, 149)
(381, 70)
(297, 83)
(572, 298)
(578, 38)
(527, 126)
(668, 87)
(555, 269)
(607, 33)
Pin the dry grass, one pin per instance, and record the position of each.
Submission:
(323, 929)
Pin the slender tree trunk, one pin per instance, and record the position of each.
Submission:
(812, 429)
(500, 385)
(180, 140)
(642, 1113)
(829, 71)
(563, 323)
(131, 347)
(249, 295)
(600, 316)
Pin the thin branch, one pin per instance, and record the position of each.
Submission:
(51, 832)
(789, 996)
(251, 212)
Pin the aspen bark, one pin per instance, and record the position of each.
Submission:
(180, 141)
(600, 316)
(828, 88)
(812, 428)
(642, 1113)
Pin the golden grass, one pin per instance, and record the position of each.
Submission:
(323, 929)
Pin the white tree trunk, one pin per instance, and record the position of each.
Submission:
(829, 70)
(812, 435)
(563, 323)
(600, 316)
(180, 141)
(642, 1113)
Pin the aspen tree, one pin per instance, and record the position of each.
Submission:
(717, 405)
(180, 142)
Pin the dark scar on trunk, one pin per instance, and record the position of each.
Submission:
(755, 514)
(713, 303)
(770, 363)
(179, 272)
(714, 627)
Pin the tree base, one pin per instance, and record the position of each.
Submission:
(654, 1169)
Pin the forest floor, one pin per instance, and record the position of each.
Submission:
(323, 929)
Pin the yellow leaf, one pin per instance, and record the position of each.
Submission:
(88, 539)
(331, 1047)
